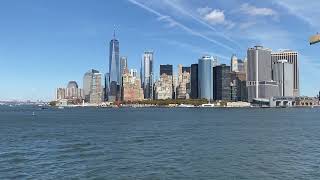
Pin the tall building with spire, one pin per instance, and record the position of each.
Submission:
(114, 69)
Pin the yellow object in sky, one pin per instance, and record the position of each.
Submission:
(315, 39)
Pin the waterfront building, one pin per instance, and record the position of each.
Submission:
(131, 88)
(60, 93)
(114, 69)
(292, 58)
(166, 69)
(163, 87)
(183, 89)
(73, 91)
(260, 84)
(175, 86)
(205, 77)
(194, 81)
(96, 93)
(221, 83)
(282, 72)
(106, 87)
(147, 74)
(87, 83)
(239, 90)
(92, 87)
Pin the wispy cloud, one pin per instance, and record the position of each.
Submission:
(307, 11)
(174, 23)
(255, 11)
(201, 11)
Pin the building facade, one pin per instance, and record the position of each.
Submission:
(114, 69)
(163, 87)
(259, 76)
(282, 73)
(239, 90)
(194, 81)
(147, 74)
(222, 83)
(292, 58)
(131, 88)
(166, 69)
(205, 77)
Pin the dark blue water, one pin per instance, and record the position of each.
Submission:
(159, 143)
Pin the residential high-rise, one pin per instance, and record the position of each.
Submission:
(205, 77)
(292, 58)
(147, 74)
(221, 82)
(194, 81)
(60, 93)
(260, 84)
(114, 69)
(72, 91)
(283, 74)
(166, 69)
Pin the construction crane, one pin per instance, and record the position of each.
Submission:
(315, 39)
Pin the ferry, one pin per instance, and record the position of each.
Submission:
(208, 105)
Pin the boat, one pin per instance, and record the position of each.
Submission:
(185, 106)
(60, 107)
(207, 105)
(33, 114)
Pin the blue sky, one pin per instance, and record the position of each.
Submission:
(44, 44)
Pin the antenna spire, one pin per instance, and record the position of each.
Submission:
(114, 32)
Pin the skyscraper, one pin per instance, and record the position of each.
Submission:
(194, 81)
(221, 83)
(114, 69)
(166, 69)
(92, 86)
(292, 58)
(283, 74)
(147, 74)
(260, 84)
(123, 65)
(87, 82)
(134, 73)
(205, 77)
(186, 69)
(163, 87)
(234, 63)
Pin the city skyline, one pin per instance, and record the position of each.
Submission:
(69, 55)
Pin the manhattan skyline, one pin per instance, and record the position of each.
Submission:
(44, 45)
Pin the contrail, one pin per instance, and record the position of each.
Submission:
(184, 12)
(178, 24)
